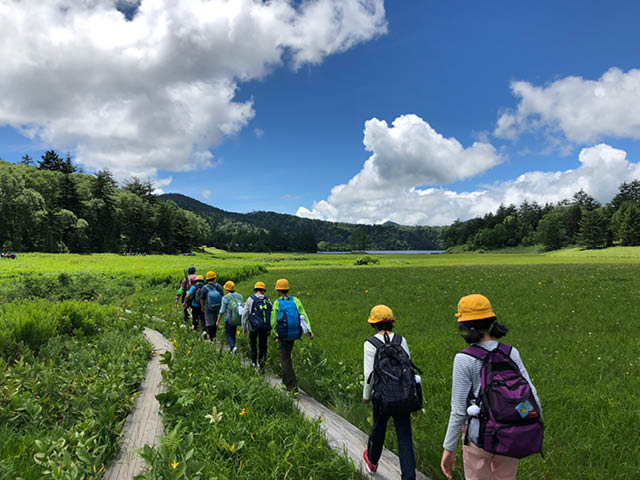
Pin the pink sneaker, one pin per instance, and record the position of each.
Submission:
(371, 466)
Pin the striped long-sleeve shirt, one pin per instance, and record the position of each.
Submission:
(466, 378)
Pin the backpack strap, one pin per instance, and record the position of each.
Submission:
(476, 352)
(376, 342)
(396, 340)
(506, 349)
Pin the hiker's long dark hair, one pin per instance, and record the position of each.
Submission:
(383, 326)
(473, 330)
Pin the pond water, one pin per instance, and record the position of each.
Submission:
(392, 252)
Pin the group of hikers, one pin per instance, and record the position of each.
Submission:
(11, 255)
(495, 408)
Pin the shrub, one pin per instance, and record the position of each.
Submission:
(367, 260)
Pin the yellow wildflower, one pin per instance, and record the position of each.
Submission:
(188, 352)
(539, 284)
(190, 373)
(243, 412)
(175, 464)
(174, 342)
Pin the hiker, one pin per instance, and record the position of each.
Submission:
(397, 355)
(256, 319)
(229, 311)
(193, 299)
(289, 321)
(489, 369)
(188, 280)
(210, 303)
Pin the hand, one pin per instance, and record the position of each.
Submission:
(365, 400)
(448, 463)
(311, 335)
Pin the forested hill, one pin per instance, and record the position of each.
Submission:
(51, 207)
(246, 231)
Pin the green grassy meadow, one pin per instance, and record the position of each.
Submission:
(573, 317)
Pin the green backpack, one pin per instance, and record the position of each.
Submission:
(235, 317)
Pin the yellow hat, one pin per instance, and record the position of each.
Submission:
(211, 276)
(381, 313)
(199, 278)
(259, 286)
(230, 286)
(474, 307)
(282, 284)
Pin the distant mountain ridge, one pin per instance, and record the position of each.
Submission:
(254, 226)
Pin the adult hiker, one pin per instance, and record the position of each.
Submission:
(210, 303)
(499, 431)
(395, 398)
(289, 321)
(186, 283)
(192, 299)
(229, 311)
(256, 319)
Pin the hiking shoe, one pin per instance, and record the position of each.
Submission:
(234, 349)
(205, 336)
(254, 364)
(371, 466)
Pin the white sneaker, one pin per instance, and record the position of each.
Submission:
(254, 364)
(234, 350)
(205, 336)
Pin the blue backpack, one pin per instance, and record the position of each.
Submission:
(260, 318)
(214, 298)
(288, 326)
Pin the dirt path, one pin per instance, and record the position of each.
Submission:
(143, 426)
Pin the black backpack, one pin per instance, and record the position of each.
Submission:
(395, 389)
(260, 317)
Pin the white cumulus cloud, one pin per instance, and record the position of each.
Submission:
(156, 92)
(602, 169)
(584, 111)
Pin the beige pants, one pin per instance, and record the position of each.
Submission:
(482, 465)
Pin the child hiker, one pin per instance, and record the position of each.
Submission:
(211, 302)
(192, 299)
(289, 321)
(229, 311)
(186, 283)
(381, 319)
(256, 319)
(498, 432)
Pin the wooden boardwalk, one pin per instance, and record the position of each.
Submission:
(345, 438)
(143, 425)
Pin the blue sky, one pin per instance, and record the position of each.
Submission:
(290, 123)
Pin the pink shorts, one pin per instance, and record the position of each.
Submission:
(482, 465)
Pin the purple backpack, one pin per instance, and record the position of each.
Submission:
(510, 422)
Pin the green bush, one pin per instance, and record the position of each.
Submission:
(367, 260)
(28, 325)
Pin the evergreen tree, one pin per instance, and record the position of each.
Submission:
(551, 232)
(593, 229)
(584, 201)
(628, 192)
(51, 161)
(26, 160)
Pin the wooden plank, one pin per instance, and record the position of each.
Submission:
(143, 425)
(344, 437)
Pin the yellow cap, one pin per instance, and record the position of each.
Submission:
(474, 307)
(211, 276)
(381, 313)
(260, 286)
(230, 286)
(199, 278)
(282, 284)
